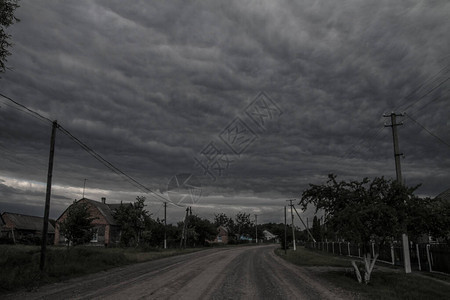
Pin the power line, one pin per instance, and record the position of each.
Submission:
(92, 152)
(26, 108)
(426, 82)
(110, 166)
(428, 92)
(428, 131)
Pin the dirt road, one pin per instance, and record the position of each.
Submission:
(228, 273)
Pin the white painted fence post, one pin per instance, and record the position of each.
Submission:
(429, 258)
(392, 254)
(418, 256)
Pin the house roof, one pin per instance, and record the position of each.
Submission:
(222, 228)
(269, 235)
(25, 222)
(107, 210)
(445, 195)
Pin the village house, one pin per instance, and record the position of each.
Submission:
(106, 232)
(268, 236)
(24, 229)
(222, 235)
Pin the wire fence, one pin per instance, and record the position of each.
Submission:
(424, 257)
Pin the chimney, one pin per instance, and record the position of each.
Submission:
(103, 200)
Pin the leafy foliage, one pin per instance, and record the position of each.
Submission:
(7, 18)
(316, 230)
(200, 231)
(131, 218)
(377, 210)
(77, 226)
(225, 221)
(243, 224)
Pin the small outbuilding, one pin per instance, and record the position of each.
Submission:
(25, 229)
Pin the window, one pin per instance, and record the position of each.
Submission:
(94, 238)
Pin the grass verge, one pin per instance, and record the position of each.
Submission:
(385, 283)
(20, 264)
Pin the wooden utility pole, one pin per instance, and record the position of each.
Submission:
(256, 228)
(184, 233)
(293, 228)
(165, 225)
(47, 196)
(398, 171)
(285, 235)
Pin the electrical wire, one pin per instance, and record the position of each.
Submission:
(92, 152)
(113, 168)
(428, 131)
(26, 108)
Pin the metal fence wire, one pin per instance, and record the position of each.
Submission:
(424, 257)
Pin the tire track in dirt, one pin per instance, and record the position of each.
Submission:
(227, 273)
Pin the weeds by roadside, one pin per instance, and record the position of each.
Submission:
(20, 264)
(387, 283)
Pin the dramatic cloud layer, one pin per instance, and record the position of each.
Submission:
(148, 85)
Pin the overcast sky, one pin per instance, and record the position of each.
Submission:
(271, 95)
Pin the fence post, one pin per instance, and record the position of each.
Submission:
(418, 256)
(332, 246)
(392, 254)
(373, 249)
(428, 257)
(348, 248)
(359, 251)
(340, 253)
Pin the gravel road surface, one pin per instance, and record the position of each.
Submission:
(226, 273)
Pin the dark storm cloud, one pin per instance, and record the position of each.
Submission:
(149, 84)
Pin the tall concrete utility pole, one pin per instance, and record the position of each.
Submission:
(165, 225)
(256, 228)
(398, 171)
(285, 235)
(47, 196)
(293, 228)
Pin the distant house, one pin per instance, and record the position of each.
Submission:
(268, 236)
(24, 228)
(3, 231)
(222, 235)
(445, 195)
(106, 232)
(245, 238)
(425, 238)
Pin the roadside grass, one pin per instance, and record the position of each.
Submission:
(19, 264)
(388, 283)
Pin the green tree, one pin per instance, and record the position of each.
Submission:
(77, 226)
(316, 230)
(371, 211)
(223, 220)
(132, 218)
(243, 225)
(200, 231)
(7, 18)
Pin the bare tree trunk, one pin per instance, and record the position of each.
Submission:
(368, 267)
